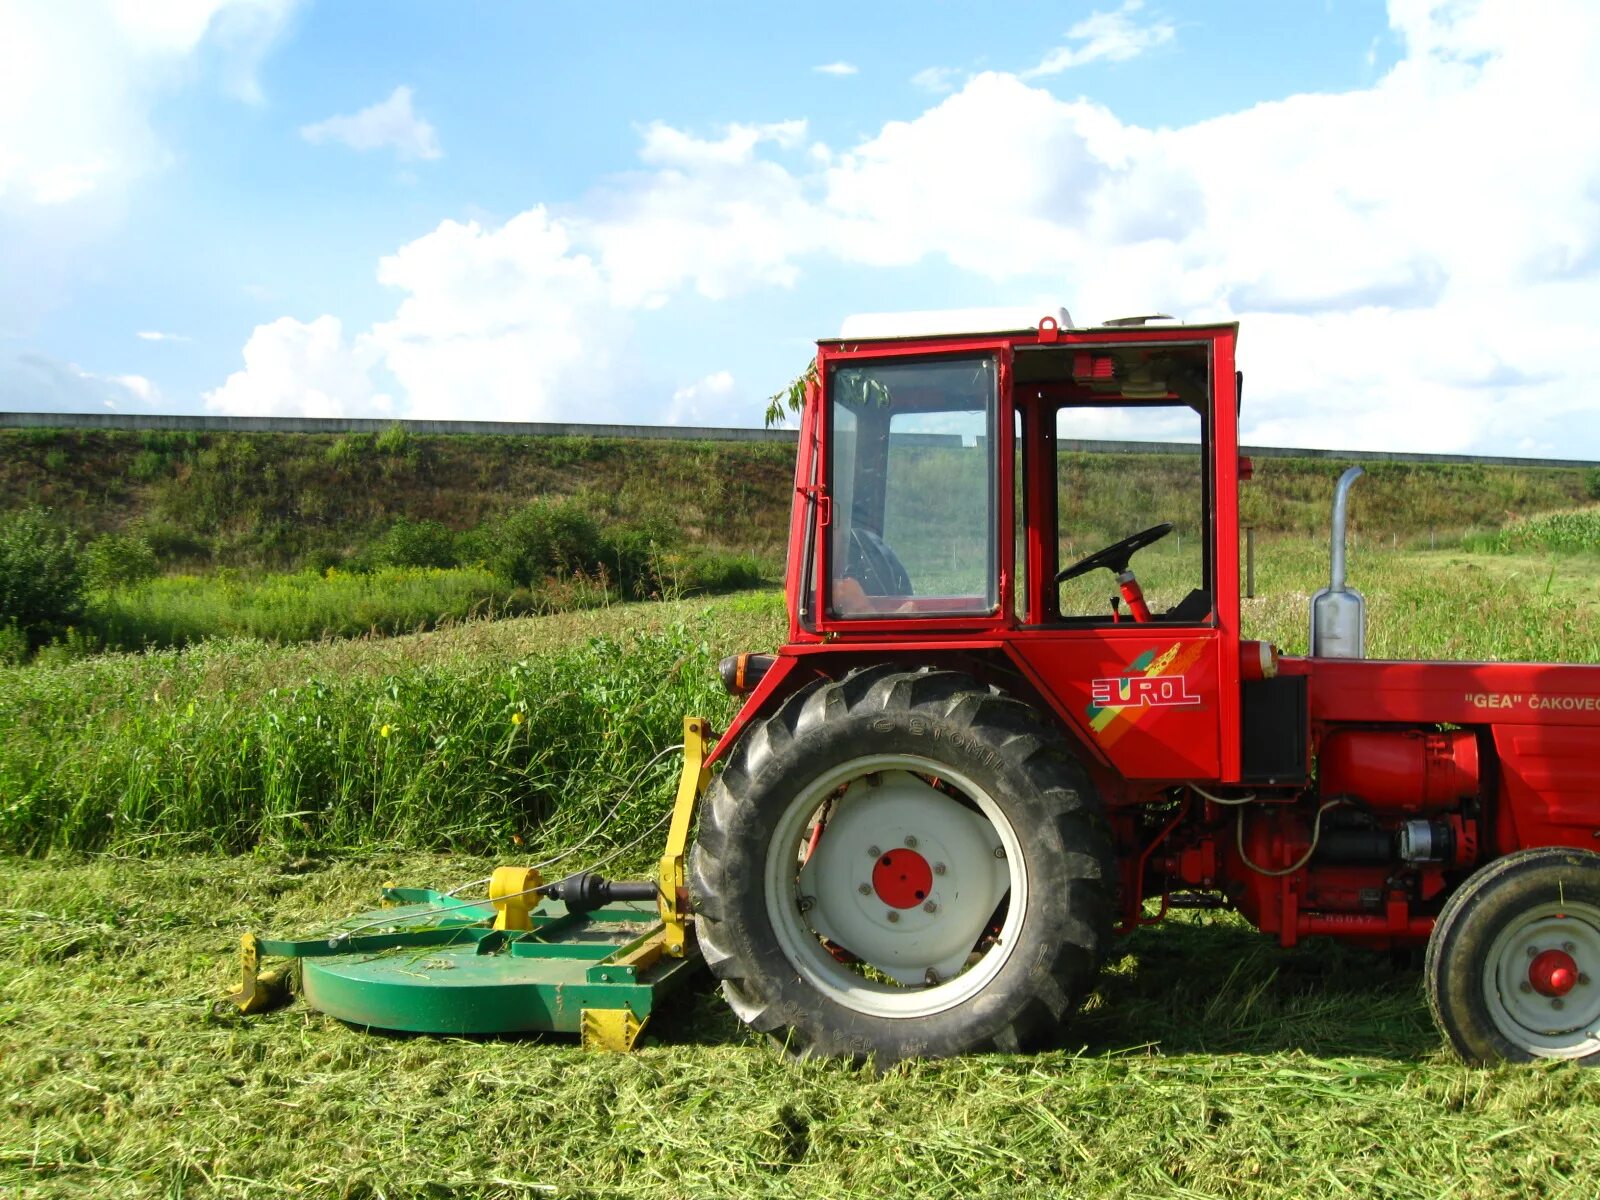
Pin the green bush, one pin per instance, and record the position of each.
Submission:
(1591, 483)
(543, 539)
(416, 544)
(173, 544)
(119, 558)
(349, 449)
(41, 575)
(148, 466)
(394, 440)
(13, 645)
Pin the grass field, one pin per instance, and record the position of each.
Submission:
(1207, 1064)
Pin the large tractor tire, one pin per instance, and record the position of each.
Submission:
(903, 864)
(1513, 964)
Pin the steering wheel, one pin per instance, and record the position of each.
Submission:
(1114, 557)
(875, 566)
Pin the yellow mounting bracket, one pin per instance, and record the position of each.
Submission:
(671, 883)
(258, 990)
(512, 891)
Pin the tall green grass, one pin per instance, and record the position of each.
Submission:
(1576, 531)
(165, 751)
(417, 741)
(177, 610)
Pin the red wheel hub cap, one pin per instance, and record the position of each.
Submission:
(902, 878)
(1553, 973)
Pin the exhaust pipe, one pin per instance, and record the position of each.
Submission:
(1338, 613)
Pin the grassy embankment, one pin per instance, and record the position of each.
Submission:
(711, 514)
(1207, 1064)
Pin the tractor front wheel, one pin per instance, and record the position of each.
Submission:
(1513, 964)
(902, 864)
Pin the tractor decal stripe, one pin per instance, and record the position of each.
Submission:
(1110, 724)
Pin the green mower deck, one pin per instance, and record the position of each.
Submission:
(436, 964)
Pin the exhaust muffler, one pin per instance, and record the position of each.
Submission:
(1339, 613)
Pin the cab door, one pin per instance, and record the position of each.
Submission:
(1153, 698)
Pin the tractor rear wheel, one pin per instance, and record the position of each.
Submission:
(903, 864)
(1513, 965)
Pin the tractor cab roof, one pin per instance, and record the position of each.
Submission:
(1018, 322)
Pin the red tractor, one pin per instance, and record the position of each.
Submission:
(967, 768)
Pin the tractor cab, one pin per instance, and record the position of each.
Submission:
(952, 484)
(961, 480)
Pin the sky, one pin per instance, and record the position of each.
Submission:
(575, 212)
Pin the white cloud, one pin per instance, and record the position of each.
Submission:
(303, 369)
(155, 335)
(837, 68)
(938, 80)
(77, 82)
(54, 386)
(1105, 37)
(708, 401)
(1416, 263)
(502, 324)
(389, 124)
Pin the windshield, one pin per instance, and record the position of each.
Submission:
(912, 480)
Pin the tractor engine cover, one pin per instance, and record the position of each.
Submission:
(1410, 771)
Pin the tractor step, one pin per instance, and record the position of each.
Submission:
(433, 963)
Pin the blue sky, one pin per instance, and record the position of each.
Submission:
(567, 212)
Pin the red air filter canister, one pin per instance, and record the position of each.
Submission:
(1412, 771)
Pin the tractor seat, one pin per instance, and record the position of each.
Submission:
(1194, 607)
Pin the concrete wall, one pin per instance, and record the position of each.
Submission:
(130, 421)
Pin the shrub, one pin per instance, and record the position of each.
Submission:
(148, 466)
(173, 544)
(349, 449)
(13, 645)
(542, 539)
(633, 555)
(416, 544)
(119, 558)
(1591, 482)
(41, 575)
(394, 440)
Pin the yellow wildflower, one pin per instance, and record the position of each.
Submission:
(516, 718)
(384, 732)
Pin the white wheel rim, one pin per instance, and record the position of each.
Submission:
(918, 940)
(1563, 1026)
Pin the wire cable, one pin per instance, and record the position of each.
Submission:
(616, 853)
(1316, 834)
(1223, 800)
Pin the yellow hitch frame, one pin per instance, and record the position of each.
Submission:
(672, 881)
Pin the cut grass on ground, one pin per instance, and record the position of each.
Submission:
(1208, 1064)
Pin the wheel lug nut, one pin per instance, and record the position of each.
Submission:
(911, 842)
(865, 889)
(930, 906)
(1582, 978)
(1525, 986)
(930, 977)
(1569, 947)
(1533, 952)
(806, 903)
(1556, 1003)
(999, 851)
(874, 851)
(938, 868)
(893, 916)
